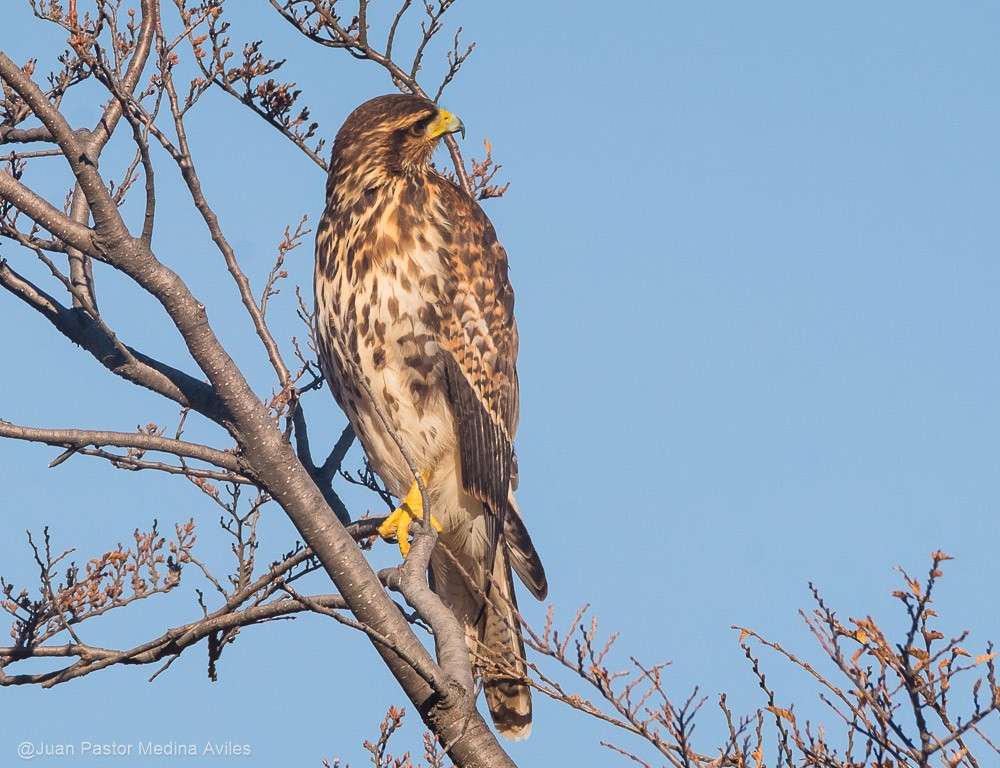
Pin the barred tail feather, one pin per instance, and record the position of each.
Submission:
(508, 698)
(492, 634)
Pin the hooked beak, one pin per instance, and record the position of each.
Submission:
(446, 122)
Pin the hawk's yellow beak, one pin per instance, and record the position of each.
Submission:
(445, 122)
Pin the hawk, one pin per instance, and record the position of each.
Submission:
(412, 295)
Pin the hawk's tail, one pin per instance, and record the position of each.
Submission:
(504, 670)
(492, 631)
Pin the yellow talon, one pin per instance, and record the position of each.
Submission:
(398, 523)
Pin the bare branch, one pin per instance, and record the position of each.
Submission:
(132, 365)
(171, 643)
(78, 439)
(47, 215)
(11, 135)
(350, 39)
(190, 176)
(106, 217)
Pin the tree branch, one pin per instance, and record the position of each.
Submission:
(82, 438)
(322, 475)
(46, 215)
(410, 580)
(132, 365)
(171, 643)
(107, 219)
(11, 135)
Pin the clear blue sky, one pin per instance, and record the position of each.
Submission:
(755, 249)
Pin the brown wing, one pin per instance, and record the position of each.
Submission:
(480, 340)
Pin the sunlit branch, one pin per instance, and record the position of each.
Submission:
(82, 438)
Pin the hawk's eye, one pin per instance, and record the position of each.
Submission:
(419, 128)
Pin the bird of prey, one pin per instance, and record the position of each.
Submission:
(414, 310)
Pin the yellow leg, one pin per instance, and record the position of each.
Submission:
(398, 523)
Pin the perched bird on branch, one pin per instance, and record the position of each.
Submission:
(414, 309)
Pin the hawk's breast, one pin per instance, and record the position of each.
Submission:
(379, 298)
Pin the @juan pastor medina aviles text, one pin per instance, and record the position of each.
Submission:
(28, 750)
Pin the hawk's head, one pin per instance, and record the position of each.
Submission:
(390, 135)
